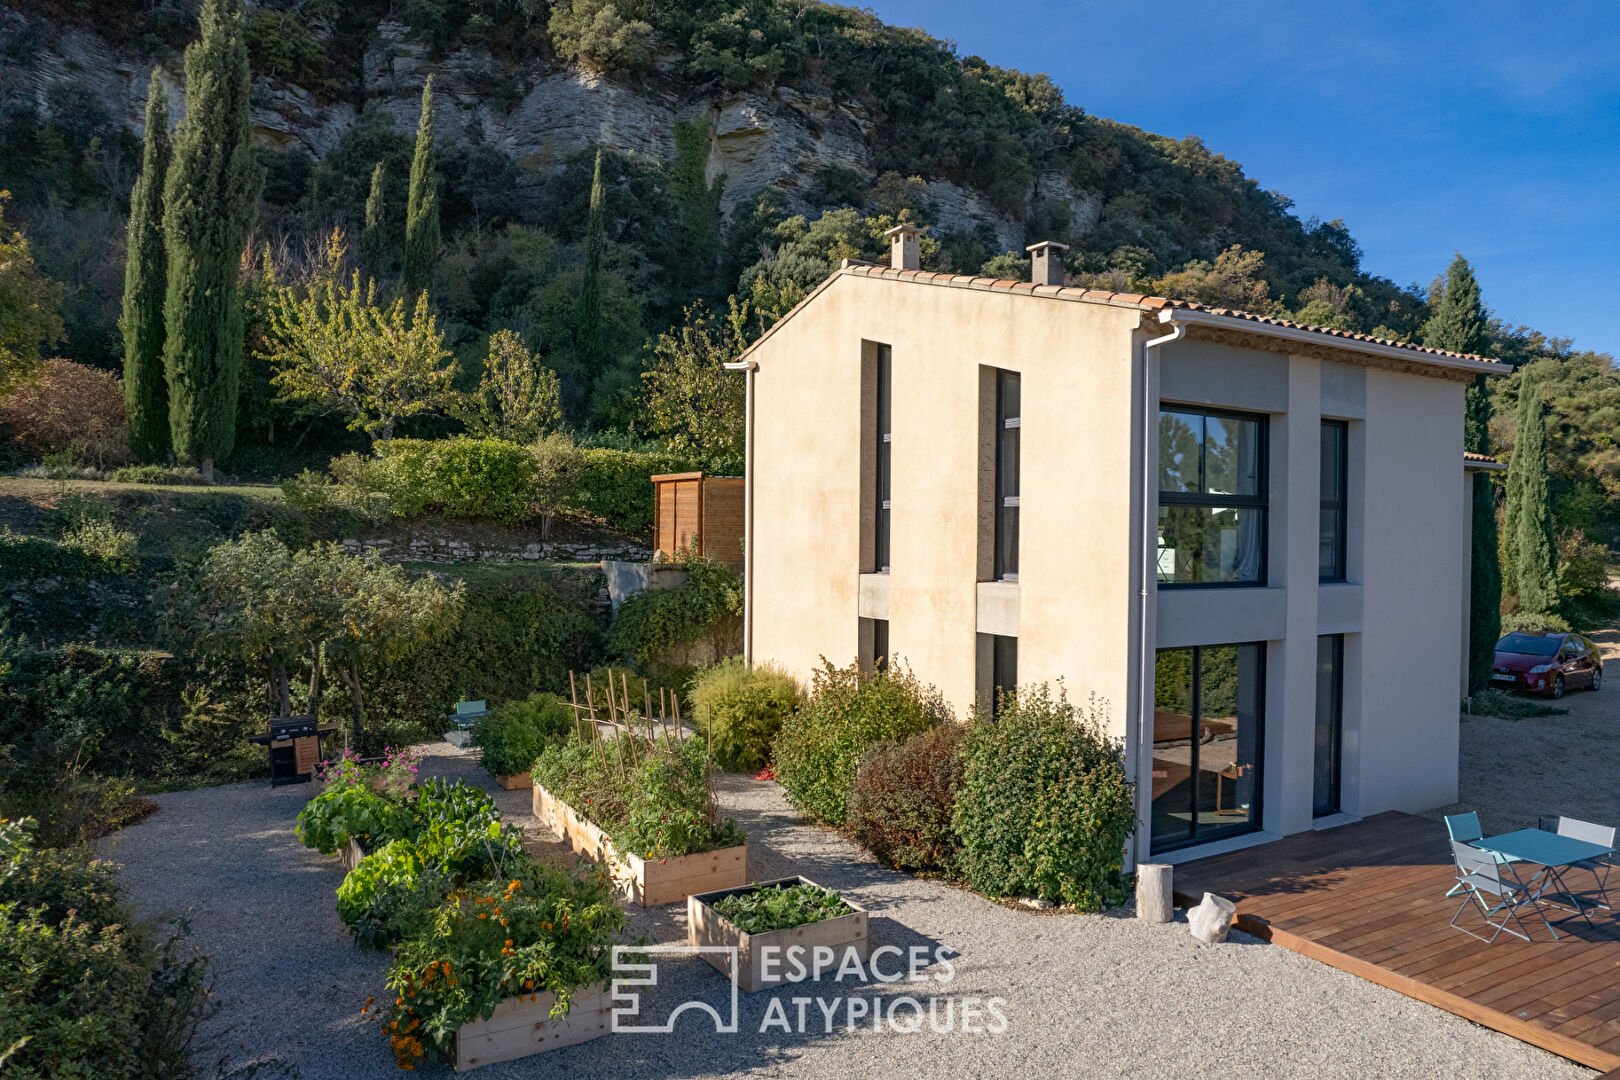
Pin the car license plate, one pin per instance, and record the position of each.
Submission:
(1502, 678)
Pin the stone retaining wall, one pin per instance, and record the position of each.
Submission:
(454, 551)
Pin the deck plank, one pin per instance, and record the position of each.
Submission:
(1369, 898)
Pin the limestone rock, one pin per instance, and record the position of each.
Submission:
(1211, 920)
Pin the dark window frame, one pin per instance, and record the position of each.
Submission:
(1007, 505)
(883, 460)
(1000, 661)
(1340, 505)
(1260, 501)
(1256, 820)
(1334, 803)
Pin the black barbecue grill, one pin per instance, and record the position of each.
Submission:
(295, 747)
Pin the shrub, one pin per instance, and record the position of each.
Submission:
(513, 735)
(1527, 622)
(849, 712)
(651, 625)
(903, 799)
(1506, 706)
(88, 991)
(69, 406)
(614, 485)
(459, 477)
(155, 474)
(743, 709)
(1045, 807)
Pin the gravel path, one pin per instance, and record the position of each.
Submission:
(1085, 996)
(1515, 771)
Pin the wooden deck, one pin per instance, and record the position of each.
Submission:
(1369, 898)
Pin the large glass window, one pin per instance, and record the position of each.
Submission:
(1335, 444)
(1008, 419)
(885, 389)
(1329, 723)
(1212, 498)
(1207, 730)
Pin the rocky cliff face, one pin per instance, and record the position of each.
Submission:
(781, 139)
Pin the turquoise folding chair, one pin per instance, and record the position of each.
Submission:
(1479, 878)
(467, 712)
(1464, 829)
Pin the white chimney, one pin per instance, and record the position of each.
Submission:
(1046, 262)
(903, 250)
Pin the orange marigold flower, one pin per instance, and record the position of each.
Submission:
(483, 915)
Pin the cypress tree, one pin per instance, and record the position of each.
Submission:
(1458, 325)
(1530, 532)
(590, 290)
(422, 210)
(374, 241)
(146, 392)
(209, 197)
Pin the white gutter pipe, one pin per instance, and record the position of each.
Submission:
(1150, 507)
(749, 368)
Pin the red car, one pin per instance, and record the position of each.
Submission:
(1546, 663)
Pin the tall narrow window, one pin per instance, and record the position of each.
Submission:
(1003, 669)
(1329, 724)
(1212, 497)
(1008, 418)
(885, 386)
(1335, 444)
(880, 644)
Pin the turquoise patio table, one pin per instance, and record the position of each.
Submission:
(1548, 850)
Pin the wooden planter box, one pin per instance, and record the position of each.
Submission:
(648, 882)
(522, 1026)
(350, 856)
(514, 783)
(706, 926)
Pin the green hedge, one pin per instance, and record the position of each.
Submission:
(614, 485)
(460, 477)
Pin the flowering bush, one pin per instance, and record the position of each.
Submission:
(904, 795)
(538, 931)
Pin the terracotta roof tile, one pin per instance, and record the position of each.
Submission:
(1149, 303)
(1469, 455)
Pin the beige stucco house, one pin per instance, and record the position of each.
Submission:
(1248, 536)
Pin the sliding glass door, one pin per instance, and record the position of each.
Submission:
(1207, 733)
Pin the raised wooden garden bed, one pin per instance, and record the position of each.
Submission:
(648, 882)
(514, 783)
(842, 934)
(522, 1026)
(351, 855)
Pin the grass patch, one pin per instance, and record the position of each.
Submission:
(1507, 706)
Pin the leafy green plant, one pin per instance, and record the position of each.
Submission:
(538, 931)
(743, 709)
(155, 474)
(90, 991)
(329, 820)
(708, 604)
(657, 803)
(514, 734)
(849, 711)
(903, 799)
(1045, 807)
(762, 908)
(1526, 622)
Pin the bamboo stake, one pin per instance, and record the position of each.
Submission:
(573, 697)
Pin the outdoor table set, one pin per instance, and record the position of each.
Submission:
(1529, 868)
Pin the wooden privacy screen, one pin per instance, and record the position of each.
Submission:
(701, 512)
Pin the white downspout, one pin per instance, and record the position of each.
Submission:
(749, 368)
(1150, 508)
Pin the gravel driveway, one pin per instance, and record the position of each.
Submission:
(1515, 771)
(1085, 996)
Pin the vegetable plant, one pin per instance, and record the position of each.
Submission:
(330, 819)
(514, 735)
(764, 908)
(541, 930)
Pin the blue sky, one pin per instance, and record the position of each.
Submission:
(1488, 128)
